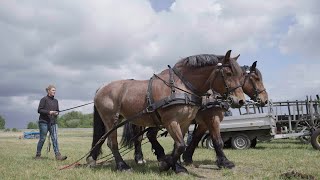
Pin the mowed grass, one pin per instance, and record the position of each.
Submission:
(266, 161)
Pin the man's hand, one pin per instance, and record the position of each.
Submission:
(55, 113)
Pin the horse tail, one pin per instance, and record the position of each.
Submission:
(98, 131)
(129, 132)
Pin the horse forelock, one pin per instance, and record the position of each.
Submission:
(199, 60)
(245, 68)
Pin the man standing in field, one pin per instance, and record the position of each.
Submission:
(49, 110)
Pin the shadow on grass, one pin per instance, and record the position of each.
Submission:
(150, 167)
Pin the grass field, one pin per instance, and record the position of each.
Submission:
(266, 161)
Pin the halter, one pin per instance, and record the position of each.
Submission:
(256, 90)
(228, 88)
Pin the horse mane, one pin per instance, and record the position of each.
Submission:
(208, 60)
(200, 60)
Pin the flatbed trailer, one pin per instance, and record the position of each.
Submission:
(278, 120)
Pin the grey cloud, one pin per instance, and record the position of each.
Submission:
(80, 45)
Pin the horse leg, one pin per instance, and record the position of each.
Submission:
(138, 155)
(98, 132)
(130, 139)
(156, 146)
(179, 147)
(196, 137)
(214, 129)
(113, 145)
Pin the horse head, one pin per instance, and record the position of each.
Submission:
(225, 79)
(253, 84)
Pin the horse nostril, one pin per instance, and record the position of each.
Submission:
(241, 102)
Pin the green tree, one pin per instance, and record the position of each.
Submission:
(32, 125)
(2, 122)
(73, 123)
(75, 119)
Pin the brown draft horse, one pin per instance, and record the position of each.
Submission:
(126, 98)
(208, 119)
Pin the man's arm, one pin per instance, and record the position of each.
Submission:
(41, 109)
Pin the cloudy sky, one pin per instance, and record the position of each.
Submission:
(79, 45)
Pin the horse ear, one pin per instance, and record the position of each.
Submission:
(253, 66)
(227, 57)
(236, 58)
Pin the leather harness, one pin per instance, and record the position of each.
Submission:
(174, 99)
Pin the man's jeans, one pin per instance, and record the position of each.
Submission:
(44, 128)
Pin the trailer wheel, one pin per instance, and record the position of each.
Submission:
(315, 139)
(209, 143)
(240, 141)
(305, 139)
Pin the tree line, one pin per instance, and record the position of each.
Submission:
(73, 119)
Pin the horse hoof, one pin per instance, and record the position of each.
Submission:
(179, 169)
(123, 167)
(225, 164)
(91, 162)
(126, 170)
(183, 173)
(163, 166)
(229, 165)
(141, 162)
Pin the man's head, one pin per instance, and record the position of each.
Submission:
(51, 90)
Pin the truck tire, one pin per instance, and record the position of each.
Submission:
(240, 141)
(315, 139)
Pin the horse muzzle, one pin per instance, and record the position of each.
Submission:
(235, 102)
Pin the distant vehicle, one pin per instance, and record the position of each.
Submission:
(279, 120)
(31, 135)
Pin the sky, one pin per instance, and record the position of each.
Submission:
(79, 45)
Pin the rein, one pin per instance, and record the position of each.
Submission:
(76, 107)
(106, 135)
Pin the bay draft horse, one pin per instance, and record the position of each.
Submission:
(210, 119)
(193, 75)
(207, 119)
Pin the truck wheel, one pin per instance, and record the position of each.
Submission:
(253, 143)
(315, 139)
(240, 141)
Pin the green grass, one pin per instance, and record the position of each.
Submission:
(267, 161)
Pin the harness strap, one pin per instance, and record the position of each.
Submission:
(215, 104)
(185, 82)
(177, 98)
(171, 80)
(150, 108)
